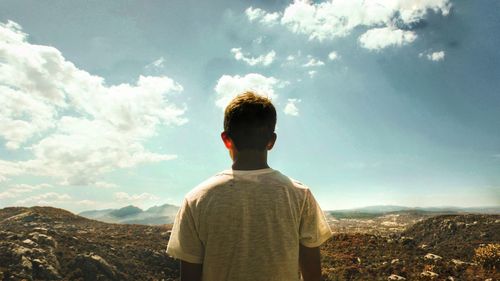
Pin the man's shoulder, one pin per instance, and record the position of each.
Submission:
(219, 179)
(295, 183)
(299, 184)
(292, 185)
(217, 183)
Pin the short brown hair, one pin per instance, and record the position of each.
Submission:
(250, 120)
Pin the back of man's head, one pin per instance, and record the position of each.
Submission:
(250, 120)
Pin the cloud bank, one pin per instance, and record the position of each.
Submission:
(19, 190)
(75, 126)
(338, 18)
(49, 198)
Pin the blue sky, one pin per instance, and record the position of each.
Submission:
(109, 103)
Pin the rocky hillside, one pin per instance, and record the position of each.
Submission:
(43, 243)
(455, 236)
(449, 247)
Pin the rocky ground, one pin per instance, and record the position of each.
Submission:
(43, 243)
(378, 223)
(450, 247)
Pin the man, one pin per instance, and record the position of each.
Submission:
(251, 222)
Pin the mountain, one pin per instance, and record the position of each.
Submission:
(128, 211)
(45, 243)
(156, 215)
(381, 209)
(378, 209)
(165, 214)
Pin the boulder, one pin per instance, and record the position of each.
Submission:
(30, 242)
(44, 270)
(20, 250)
(458, 262)
(407, 241)
(26, 263)
(431, 256)
(430, 274)
(48, 257)
(423, 246)
(6, 234)
(40, 229)
(393, 277)
(94, 267)
(43, 239)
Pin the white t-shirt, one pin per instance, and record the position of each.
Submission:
(247, 225)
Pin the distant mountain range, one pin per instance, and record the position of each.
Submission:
(163, 214)
(447, 209)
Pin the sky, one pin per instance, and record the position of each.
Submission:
(111, 103)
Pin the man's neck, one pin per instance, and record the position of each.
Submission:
(250, 160)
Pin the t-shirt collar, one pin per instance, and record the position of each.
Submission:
(248, 172)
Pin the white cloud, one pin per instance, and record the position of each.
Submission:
(159, 63)
(7, 195)
(8, 169)
(337, 18)
(379, 38)
(291, 107)
(436, 56)
(105, 185)
(137, 199)
(261, 16)
(313, 62)
(86, 203)
(230, 86)
(77, 126)
(333, 56)
(50, 198)
(18, 190)
(264, 60)
(312, 73)
(412, 11)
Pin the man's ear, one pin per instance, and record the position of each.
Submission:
(228, 142)
(271, 142)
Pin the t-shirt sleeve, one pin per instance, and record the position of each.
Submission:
(314, 229)
(184, 243)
